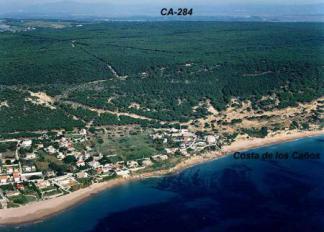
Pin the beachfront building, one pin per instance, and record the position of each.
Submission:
(147, 162)
(124, 172)
(160, 157)
(42, 184)
(65, 182)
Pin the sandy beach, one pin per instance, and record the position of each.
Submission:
(37, 211)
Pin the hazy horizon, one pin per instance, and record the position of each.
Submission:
(297, 10)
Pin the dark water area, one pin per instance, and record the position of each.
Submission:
(222, 195)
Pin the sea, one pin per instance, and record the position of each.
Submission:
(266, 193)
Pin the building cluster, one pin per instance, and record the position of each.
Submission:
(184, 141)
(21, 167)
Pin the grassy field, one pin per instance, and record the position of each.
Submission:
(129, 147)
(22, 199)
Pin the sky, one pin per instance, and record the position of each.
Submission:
(126, 8)
(155, 2)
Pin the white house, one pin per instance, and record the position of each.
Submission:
(26, 143)
(211, 139)
(83, 132)
(147, 162)
(10, 170)
(42, 184)
(31, 168)
(80, 163)
(94, 164)
(60, 156)
(30, 156)
(160, 157)
(122, 172)
(50, 149)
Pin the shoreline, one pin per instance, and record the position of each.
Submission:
(37, 211)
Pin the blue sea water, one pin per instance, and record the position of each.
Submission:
(222, 195)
